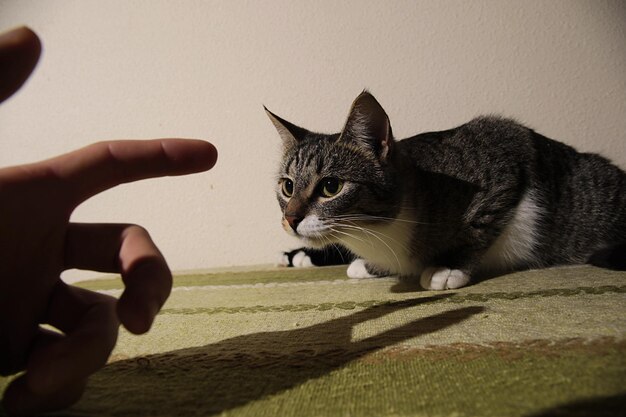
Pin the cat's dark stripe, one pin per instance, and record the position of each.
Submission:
(293, 161)
(319, 166)
(309, 159)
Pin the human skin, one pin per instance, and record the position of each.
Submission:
(38, 242)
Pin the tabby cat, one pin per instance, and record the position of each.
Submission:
(487, 197)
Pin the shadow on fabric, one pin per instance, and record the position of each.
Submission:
(221, 376)
(614, 406)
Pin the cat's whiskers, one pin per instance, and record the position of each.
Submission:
(333, 244)
(369, 217)
(330, 232)
(415, 238)
(361, 229)
(337, 249)
(372, 244)
(380, 236)
(349, 235)
(379, 233)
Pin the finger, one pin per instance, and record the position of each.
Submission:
(128, 250)
(90, 327)
(19, 53)
(16, 362)
(95, 168)
(20, 400)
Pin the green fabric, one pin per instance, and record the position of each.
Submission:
(310, 342)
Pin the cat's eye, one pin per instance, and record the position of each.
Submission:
(287, 187)
(330, 187)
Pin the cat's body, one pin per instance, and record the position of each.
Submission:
(489, 196)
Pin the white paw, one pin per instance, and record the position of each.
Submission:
(357, 269)
(283, 259)
(301, 260)
(443, 279)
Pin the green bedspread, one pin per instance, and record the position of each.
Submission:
(310, 342)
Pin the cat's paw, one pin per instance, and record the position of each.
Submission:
(283, 260)
(443, 279)
(299, 259)
(358, 269)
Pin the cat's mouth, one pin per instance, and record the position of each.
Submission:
(318, 232)
(311, 230)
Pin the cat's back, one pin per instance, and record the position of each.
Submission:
(476, 151)
(581, 197)
(491, 150)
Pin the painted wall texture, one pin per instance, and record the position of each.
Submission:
(156, 68)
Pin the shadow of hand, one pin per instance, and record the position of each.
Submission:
(218, 377)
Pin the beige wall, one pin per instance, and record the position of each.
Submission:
(140, 69)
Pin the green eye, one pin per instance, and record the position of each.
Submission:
(330, 187)
(287, 187)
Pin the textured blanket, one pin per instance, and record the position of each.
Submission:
(310, 342)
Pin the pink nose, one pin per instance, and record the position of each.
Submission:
(293, 221)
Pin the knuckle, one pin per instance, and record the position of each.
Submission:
(137, 231)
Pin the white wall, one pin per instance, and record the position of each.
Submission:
(156, 68)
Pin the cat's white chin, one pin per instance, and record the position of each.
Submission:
(314, 232)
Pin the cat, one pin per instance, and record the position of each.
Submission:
(487, 197)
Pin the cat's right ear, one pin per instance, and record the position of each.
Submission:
(368, 126)
(290, 133)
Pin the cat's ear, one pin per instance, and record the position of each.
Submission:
(369, 126)
(290, 133)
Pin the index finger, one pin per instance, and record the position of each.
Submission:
(98, 167)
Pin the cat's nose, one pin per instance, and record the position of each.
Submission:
(293, 221)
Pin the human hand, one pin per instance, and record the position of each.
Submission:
(37, 242)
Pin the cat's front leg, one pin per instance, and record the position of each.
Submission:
(441, 278)
(359, 268)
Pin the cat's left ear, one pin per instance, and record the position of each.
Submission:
(290, 133)
(369, 126)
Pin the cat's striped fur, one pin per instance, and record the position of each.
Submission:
(489, 196)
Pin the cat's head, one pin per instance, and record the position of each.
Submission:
(328, 184)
